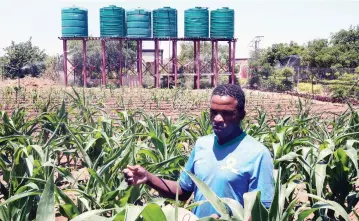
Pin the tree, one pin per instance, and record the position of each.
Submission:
(318, 54)
(94, 57)
(23, 59)
(278, 52)
(186, 57)
(346, 47)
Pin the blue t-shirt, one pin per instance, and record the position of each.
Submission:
(230, 170)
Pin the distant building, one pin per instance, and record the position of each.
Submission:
(148, 55)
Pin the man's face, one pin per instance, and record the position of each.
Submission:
(224, 115)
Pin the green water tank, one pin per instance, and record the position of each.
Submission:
(222, 23)
(139, 23)
(196, 23)
(112, 21)
(74, 22)
(165, 23)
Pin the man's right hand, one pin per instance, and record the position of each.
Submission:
(135, 175)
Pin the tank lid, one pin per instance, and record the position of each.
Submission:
(74, 8)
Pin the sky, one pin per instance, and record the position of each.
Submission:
(278, 21)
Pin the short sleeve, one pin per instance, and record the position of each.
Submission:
(185, 181)
(262, 178)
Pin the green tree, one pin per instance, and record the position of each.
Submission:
(22, 59)
(346, 47)
(94, 57)
(279, 52)
(318, 53)
(186, 56)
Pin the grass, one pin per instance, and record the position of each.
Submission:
(310, 89)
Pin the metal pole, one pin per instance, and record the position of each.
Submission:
(138, 56)
(216, 65)
(103, 64)
(198, 64)
(156, 64)
(64, 42)
(174, 54)
(84, 51)
(140, 62)
(121, 58)
(195, 63)
(212, 65)
(234, 60)
(229, 60)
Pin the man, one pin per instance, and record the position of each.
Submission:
(229, 161)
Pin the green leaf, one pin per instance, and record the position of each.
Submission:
(337, 207)
(67, 175)
(153, 212)
(210, 195)
(87, 215)
(306, 213)
(90, 143)
(110, 196)
(133, 212)
(320, 173)
(159, 144)
(288, 157)
(288, 211)
(352, 154)
(96, 177)
(235, 206)
(253, 207)
(274, 211)
(46, 209)
(69, 207)
(4, 213)
(19, 196)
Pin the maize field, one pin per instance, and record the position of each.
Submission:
(62, 153)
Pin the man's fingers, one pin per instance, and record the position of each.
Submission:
(133, 168)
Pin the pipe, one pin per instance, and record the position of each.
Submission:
(229, 60)
(174, 54)
(84, 51)
(212, 65)
(103, 64)
(64, 42)
(216, 65)
(198, 64)
(140, 63)
(233, 60)
(157, 80)
(121, 58)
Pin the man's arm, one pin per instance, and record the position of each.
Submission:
(136, 175)
(167, 188)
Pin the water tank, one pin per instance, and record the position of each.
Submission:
(196, 23)
(165, 23)
(74, 22)
(112, 21)
(222, 23)
(139, 23)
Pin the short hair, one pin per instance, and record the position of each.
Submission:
(234, 91)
